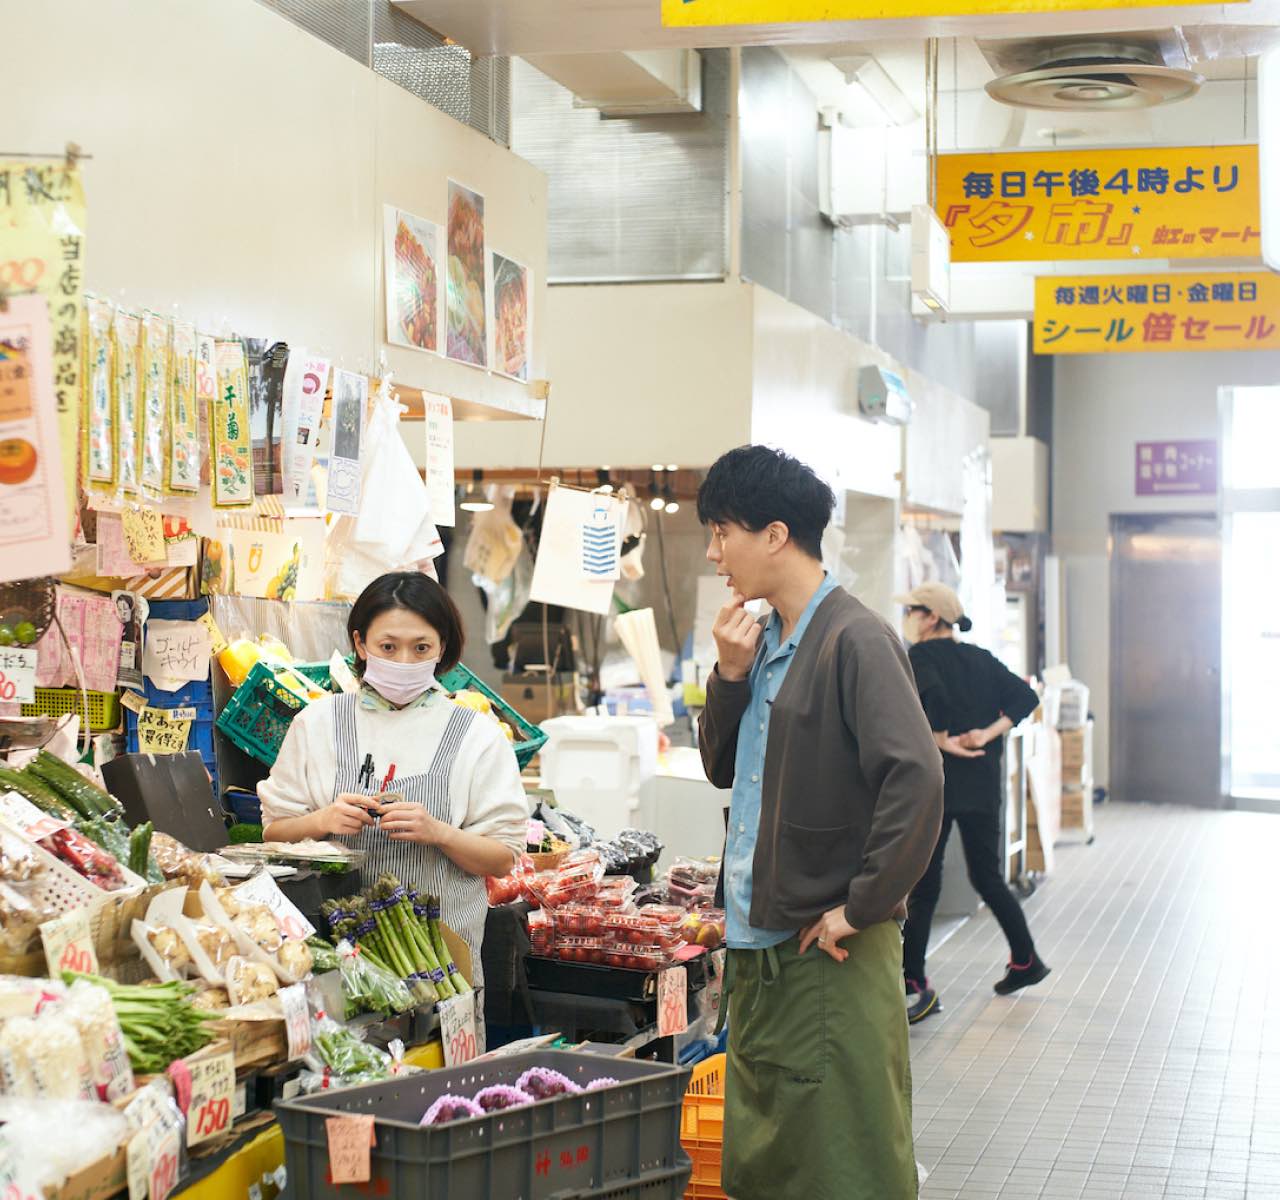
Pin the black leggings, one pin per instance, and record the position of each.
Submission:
(980, 834)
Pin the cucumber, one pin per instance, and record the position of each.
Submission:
(140, 849)
(87, 798)
(38, 793)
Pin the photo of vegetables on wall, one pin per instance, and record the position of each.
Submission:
(511, 317)
(466, 333)
(413, 281)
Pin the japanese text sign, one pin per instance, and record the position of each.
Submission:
(1185, 311)
(784, 12)
(159, 732)
(213, 1081)
(68, 944)
(458, 1029)
(17, 674)
(350, 1140)
(176, 652)
(673, 1001)
(1176, 468)
(1159, 202)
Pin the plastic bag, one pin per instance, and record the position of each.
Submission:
(89, 1008)
(369, 988)
(340, 1057)
(47, 1160)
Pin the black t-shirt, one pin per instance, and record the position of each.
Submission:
(962, 687)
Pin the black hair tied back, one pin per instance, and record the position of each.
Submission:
(964, 624)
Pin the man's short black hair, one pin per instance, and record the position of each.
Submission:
(753, 486)
(416, 593)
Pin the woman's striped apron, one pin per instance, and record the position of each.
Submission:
(464, 902)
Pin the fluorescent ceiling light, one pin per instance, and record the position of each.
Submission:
(863, 72)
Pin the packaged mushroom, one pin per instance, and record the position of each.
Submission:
(175, 947)
(213, 999)
(249, 981)
(257, 934)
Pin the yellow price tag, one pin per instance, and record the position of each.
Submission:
(159, 733)
(144, 535)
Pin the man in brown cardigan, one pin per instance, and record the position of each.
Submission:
(813, 720)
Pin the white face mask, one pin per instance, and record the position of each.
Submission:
(399, 682)
(911, 628)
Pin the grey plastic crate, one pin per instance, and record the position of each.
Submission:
(619, 1142)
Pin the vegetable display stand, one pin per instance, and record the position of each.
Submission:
(620, 1142)
(702, 1128)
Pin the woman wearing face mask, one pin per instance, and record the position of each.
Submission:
(972, 700)
(454, 809)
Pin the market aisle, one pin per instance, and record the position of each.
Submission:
(1148, 1064)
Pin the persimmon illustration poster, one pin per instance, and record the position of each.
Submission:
(412, 269)
(467, 334)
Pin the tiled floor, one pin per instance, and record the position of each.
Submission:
(1148, 1064)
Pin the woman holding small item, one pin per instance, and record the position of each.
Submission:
(428, 790)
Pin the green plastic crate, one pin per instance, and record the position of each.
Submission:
(259, 714)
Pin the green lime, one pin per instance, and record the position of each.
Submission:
(7, 637)
(25, 633)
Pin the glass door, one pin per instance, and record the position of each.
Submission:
(1251, 594)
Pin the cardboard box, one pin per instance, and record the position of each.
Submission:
(526, 692)
(1073, 751)
(98, 1181)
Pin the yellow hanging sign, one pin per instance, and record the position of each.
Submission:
(787, 12)
(1103, 314)
(1156, 202)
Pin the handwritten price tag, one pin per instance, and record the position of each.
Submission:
(297, 1020)
(138, 1158)
(165, 1148)
(132, 701)
(68, 945)
(673, 1001)
(34, 824)
(213, 1085)
(262, 889)
(715, 981)
(458, 1029)
(17, 674)
(350, 1141)
(160, 733)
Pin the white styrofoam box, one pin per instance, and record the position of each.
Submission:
(597, 765)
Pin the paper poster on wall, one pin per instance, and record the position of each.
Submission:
(439, 472)
(350, 403)
(126, 334)
(154, 357)
(184, 417)
(306, 379)
(288, 565)
(511, 324)
(558, 576)
(132, 613)
(232, 449)
(99, 437)
(33, 522)
(467, 332)
(267, 366)
(93, 630)
(42, 247)
(411, 265)
(175, 652)
(206, 398)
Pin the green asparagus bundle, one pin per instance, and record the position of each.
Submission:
(426, 910)
(158, 1022)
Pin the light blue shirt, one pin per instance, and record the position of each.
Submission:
(766, 678)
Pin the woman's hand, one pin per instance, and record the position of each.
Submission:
(405, 822)
(956, 745)
(348, 814)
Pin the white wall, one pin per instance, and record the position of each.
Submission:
(1103, 406)
(239, 170)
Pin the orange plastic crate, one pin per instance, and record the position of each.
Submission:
(702, 1128)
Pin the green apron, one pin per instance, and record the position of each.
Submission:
(818, 1095)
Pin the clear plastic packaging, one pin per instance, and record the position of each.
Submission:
(703, 927)
(616, 892)
(58, 1060)
(575, 881)
(368, 988)
(507, 889)
(689, 872)
(47, 1160)
(695, 896)
(542, 931)
(580, 920)
(249, 981)
(630, 957)
(640, 929)
(89, 1007)
(580, 949)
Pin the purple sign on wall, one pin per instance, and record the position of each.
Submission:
(1177, 468)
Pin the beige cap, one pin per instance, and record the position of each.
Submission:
(937, 598)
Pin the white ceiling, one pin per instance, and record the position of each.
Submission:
(585, 26)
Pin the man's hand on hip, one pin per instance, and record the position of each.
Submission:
(829, 930)
(737, 635)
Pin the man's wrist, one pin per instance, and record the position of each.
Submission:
(729, 677)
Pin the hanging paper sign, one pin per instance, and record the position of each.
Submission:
(42, 220)
(159, 733)
(184, 416)
(155, 400)
(213, 1085)
(350, 401)
(673, 1001)
(267, 366)
(276, 566)
(601, 536)
(306, 379)
(176, 652)
(17, 674)
(217, 643)
(1105, 314)
(143, 530)
(350, 1140)
(438, 412)
(232, 450)
(33, 525)
(1155, 202)
(68, 944)
(558, 577)
(100, 422)
(132, 701)
(127, 334)
(458, 1029)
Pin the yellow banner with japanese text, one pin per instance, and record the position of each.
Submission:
(1103, 314)
(1157, 202)
(786, 12)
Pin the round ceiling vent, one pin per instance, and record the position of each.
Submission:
(1098, 84)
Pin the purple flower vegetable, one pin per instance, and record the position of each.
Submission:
(542, 1083)
(603, 1082)
(451, 1108)
(500, 1096)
